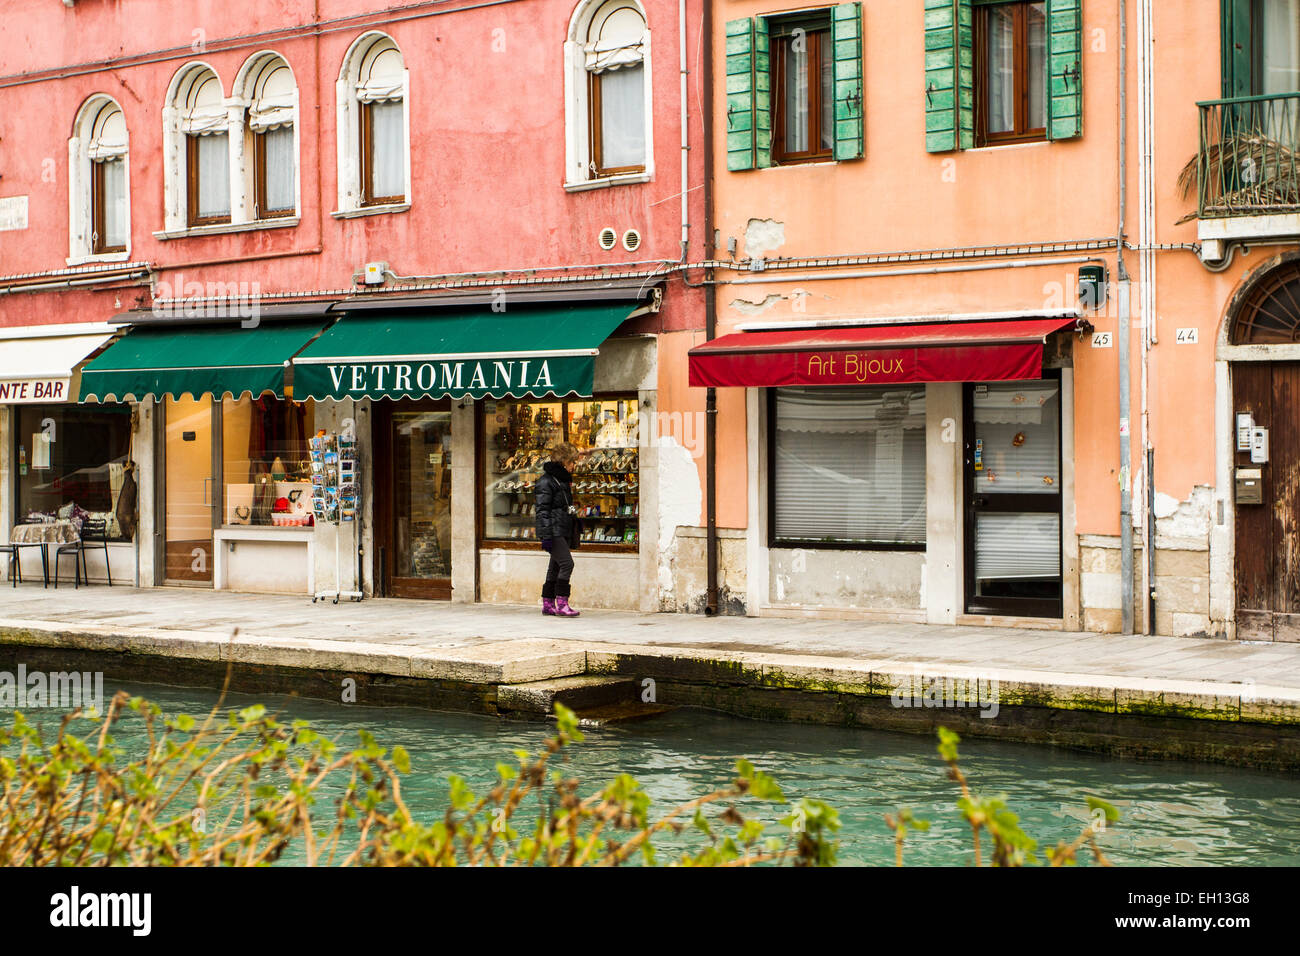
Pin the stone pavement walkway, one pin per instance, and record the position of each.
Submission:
(413, 626)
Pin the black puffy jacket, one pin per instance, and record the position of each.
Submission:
(554, 495)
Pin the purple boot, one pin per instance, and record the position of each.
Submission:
(548, 606)
(562, 608)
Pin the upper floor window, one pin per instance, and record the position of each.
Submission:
(1011, 73)
(608, 92)
(803, 106)
(794, 88)
(374, 115)
(98, 201)
(270, 147)
(1275, 46)
(197, 150)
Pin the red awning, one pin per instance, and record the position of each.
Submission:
(876, 354)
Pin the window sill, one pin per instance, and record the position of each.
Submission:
(371, 210)
(98, 257)
(623, 179)
(224, 228)
(992, 147)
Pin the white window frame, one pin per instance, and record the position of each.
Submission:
(578, 161)
(243, 168)
(350, 91)
(177, 124)
(81, 214)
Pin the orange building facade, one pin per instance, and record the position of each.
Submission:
(883, 169)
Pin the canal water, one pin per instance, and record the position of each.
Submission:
(1173, 814)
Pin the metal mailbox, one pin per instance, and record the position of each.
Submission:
(1250, 486)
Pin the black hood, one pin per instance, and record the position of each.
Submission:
(557, 471)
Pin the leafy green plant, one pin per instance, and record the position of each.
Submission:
(242, 789)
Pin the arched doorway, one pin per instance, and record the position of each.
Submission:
(1266, 455)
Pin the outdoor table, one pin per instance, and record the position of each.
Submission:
(42, 535)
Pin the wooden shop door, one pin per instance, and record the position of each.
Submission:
(1268, 534)
(413, 498)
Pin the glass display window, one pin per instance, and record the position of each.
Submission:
(71, 462)
(266, 464)
(517, 437)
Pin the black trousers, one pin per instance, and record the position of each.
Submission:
(559, 570)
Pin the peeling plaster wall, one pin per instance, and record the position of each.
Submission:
(763, 236)
(680, 500)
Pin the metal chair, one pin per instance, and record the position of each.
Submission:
(94, 534)
(15, 566)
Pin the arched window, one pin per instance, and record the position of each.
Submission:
(608, 114)
(196, 123)
(265, 88)
(98, 200)
(374, 127)
(1269, 313)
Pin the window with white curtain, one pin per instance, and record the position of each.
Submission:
(199, 115)
(272, 96)
(848, 466)
(374, 114)
(99, 180)
(607, 90)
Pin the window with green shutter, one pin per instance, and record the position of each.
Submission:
(794, 88)
(740, 94)
(1002, 71)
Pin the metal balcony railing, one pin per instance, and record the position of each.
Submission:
(1248, 163)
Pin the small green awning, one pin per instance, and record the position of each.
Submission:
(225, 360)
(543, 351)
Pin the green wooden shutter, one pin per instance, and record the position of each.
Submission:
(1235, 26)
(949, 75)
(762, 94)
(1064, 69)
(846, 37)
(740, 94)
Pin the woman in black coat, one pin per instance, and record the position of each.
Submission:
(555, 527)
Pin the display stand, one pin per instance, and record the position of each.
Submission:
(334, 499)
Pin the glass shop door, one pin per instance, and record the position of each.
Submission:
(1013, 498)
(191, 491)
(413, 500)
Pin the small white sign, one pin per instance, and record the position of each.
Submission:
(1185, 337)
(13, 213)
(1101, 340)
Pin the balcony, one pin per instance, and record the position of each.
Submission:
(1247, 171)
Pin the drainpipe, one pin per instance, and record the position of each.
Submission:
(1146, 253)
(710, 324)
(1122, 345)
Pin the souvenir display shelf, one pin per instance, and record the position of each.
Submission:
(334, 499)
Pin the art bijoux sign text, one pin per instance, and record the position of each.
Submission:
(854, 368)
(13, 213)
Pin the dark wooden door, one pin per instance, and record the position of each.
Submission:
(1268, 534)
(413, 498)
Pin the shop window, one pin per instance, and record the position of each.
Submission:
(266, 468)
(99, 196)
(516, 441)
(72, 462)
(1011, 73)
(608, 116)
(847, 467)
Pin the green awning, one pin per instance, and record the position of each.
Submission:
(543, 351)
(226, 360)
